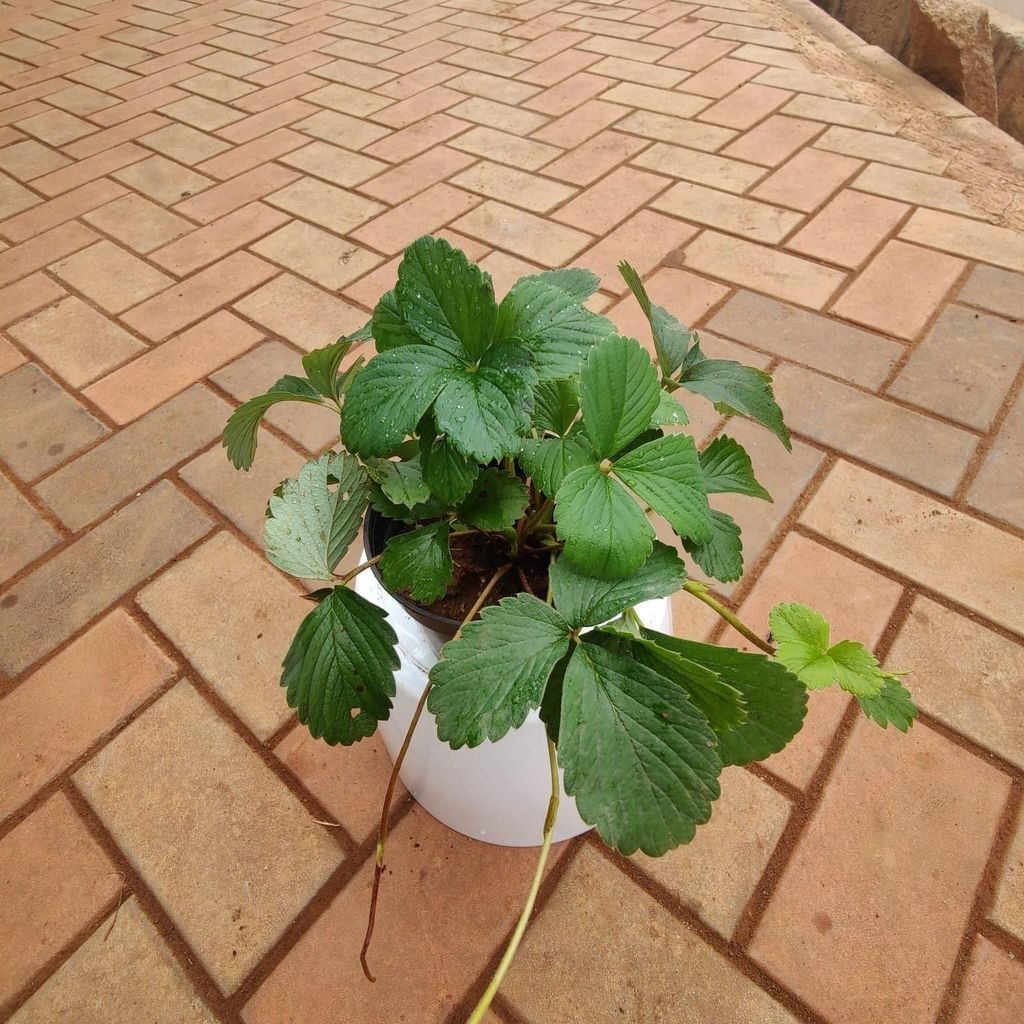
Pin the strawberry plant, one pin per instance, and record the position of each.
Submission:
(529, 434)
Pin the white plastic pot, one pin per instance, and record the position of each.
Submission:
(497, 792)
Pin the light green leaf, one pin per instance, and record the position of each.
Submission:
(389, 397)
(726, 467)
(321, 366)
(605, 531)
(671, 338)
(339, 669)
(552, 324)
(491, 676)
(579, 283)
(550, 460)
(586, 601)
(241, 431)
(495, 502)
(799, 624)
(448, 473)
(666, 474)
(721, 557)
(721, 704)
(636, 754)
(485, 411)
(445, 299)
(311, 523)
(802, 645)
(669, 412)
(419, 563)
(775, 700)
(742, 388)
(618, 394)
(556, 403)
(892, 705)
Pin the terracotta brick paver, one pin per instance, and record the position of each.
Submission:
(193, 193)
(926, 900)
(995, 987)
(455, 938)
(130, 976)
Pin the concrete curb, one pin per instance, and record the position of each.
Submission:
(878, 63)
(980, 51)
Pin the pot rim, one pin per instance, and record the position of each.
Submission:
(377, 530)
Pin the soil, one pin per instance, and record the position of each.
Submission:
(477, 557)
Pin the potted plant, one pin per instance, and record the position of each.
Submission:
(507, 461)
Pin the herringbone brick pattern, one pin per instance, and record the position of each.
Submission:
(192, 194)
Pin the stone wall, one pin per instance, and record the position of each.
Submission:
(971, 52)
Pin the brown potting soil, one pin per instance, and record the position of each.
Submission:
(477, 557)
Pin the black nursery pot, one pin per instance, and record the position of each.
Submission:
(377, 530)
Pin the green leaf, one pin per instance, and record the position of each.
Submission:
(401, 482)
(892, 705)
(485, 410)
(671, 338)
(550, 460)
(418, 562)
(650, 434)
(321, 366)
(339, 669)
(618, 394)
(726, 468)
(669, 412)
(388, 399)
(802, 645)
(551, 702)
(742, 388)
(403, 513)
(315, 517)
(495, 502)
(240, 433)
(636, 754)
(345, 378)
(364, 333)
(605, 531)
(552, 324)
(448, 473)
(721, 704)
(513, 361)
(556, 403)
(445, 299)
(491, 676)
(666, 474)
(721, 557)
(775, 701)
(389, 326)
(579, 283)
(586, 601)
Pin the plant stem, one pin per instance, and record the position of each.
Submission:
(700, 592)
(382, 828)
(353, 573)
(531, 898)
(527, 524)
(525, 582)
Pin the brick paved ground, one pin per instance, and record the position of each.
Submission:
(193, 193)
